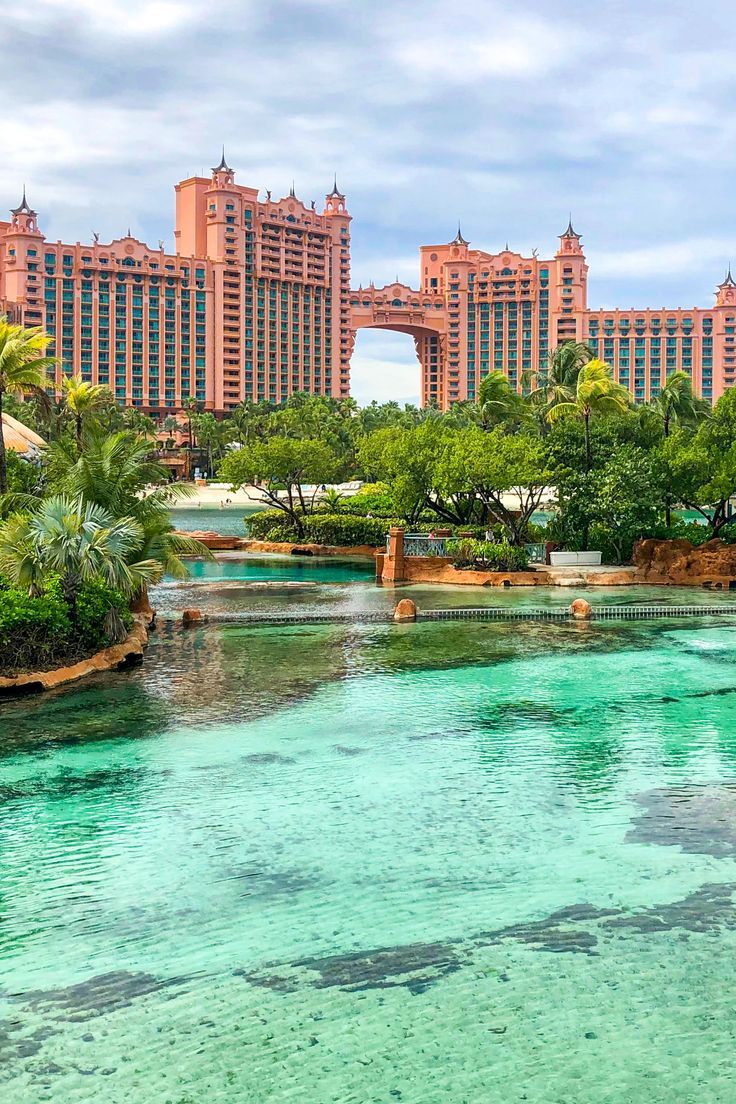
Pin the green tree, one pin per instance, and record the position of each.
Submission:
(190, 408)
(676, 403)
(595, 393)
(504, 473)
(281, 467)
(627, 502)
(23, 366)
(406, 459)
(699, 470)
(210, 437)
(83, 399)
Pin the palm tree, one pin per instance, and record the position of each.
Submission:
(81, 399)
(190, 407)
(595, 392)
(677, 405)
(116, 473)
(556, 382)
(80, 542)
(498, 401)
(23, 365)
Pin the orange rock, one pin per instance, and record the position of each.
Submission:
(406, 610)
(678, 563)
(581, 609)
(192, 616)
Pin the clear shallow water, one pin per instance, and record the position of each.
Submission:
(440, 863)
(275, 568)
(227, 521)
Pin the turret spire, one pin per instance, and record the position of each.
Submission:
(335, 190)
(570, 232)
(223, 166)
(23, 209)
(729, 282)
(459, 239)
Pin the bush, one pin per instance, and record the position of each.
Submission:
(372, 498)
(91, 626)
(338, 529)
(34, 632)
(37, 634)
(346, 529)
(487, 555)
(269, 525)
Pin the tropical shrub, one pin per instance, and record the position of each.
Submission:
(344, 530)
(480, 555)
(39, 633)
(338, 529)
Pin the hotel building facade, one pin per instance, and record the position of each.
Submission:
(252, 305)
(256, 304)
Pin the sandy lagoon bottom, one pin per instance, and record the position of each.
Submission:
(441, 864)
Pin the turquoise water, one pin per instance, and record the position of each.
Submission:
(227, 521)
(276, 568)
(441, 863)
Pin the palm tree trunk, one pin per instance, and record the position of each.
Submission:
(588, 459)
(3, 461)
(79, 434)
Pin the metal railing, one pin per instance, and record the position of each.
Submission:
(421, 544)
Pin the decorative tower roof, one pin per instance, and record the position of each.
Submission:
(336, 193)
(729, 281)
(292, 193)
(570, 232)
(24, 209)
(459, 239)
(223, 166)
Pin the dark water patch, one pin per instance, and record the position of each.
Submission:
(414, 966)
(548, 934)
(70, 783)
(699, 818)
(96, 996)
(264, 758)
(16, 1042)
(260, 883)
(710, 908)
(349, 752)
(524, 712)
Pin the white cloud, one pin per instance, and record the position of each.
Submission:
(132, 18)
(702, 255)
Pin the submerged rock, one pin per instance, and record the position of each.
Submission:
(699, 818)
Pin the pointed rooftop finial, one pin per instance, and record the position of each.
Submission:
(223, 166)
(729, 281)
(23, 209)
(335, 190)
(292, 193)
(506, 247)
(570, 233)
(459, 239)
(129, 235)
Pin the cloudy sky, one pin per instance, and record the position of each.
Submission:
(505, 115)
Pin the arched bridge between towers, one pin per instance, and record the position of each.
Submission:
(401, 308)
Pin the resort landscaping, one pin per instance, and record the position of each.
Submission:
(491, 488)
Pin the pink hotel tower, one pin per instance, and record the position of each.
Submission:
(256, 304)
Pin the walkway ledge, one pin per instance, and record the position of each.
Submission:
(117, 657)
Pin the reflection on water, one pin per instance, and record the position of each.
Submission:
(435, 863)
